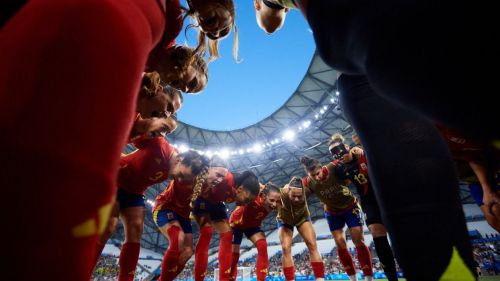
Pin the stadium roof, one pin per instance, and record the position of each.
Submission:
(272, 147)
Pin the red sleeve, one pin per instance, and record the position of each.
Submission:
(173, 24)
(304, 182)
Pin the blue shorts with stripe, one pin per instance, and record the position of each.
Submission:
(162, 217)
(352, 217)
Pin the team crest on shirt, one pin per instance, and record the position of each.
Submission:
(170, 216)
(202, 206)
(363, 166)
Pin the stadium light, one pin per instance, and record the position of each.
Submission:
(289, 135)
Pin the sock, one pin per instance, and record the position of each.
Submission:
(201, 253)
(234, 265)
(262, 259)
(289, 273)
(386, 257)
(169, 265)
(365, 260)
(98, 252)
(225, 249)
(318, 268)
(129, 256)
(346, 261)
(180, 268)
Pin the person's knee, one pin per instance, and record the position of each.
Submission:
(311, 244)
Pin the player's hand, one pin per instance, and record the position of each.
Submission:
(489, 200)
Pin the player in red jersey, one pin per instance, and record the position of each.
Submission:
(210, 211)
(171, 215)
(153, 162)
(72, 79)
(483, 159)
(247, 220)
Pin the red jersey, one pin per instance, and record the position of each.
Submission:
(223, 192)
(249, 216)
(461, 146)
(176, 197)
(148, 165)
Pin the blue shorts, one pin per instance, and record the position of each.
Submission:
(162, 217)
(477, 192)
(352, 217)
(128, 200)
(217, 211)
(280, 223)
(249, 232)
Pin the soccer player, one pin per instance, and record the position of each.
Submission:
(247, 220)
(210, 212)
(483, 160)
(341, 208)
(75, 67)
(171, 215)
(350, 165)
(294, 213)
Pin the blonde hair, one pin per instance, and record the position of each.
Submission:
(337, 137)
(213, 45)
(200, 180)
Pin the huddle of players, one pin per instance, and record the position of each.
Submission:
(206, 200)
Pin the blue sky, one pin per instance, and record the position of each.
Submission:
(271, 68)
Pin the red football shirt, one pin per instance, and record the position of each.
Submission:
(148, 165)
(249, 216)
(176, 197)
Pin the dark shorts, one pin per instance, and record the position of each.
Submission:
(128, 200)
(217, 211)
(352, 217)
(249, 232)
(370, 207)
(162, 217)
(280, 223)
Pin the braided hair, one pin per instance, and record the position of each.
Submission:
(199, 166)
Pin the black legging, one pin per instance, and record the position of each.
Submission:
(413, 178)
(413, 52)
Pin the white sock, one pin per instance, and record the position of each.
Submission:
(353, 277)
(320, 279)
(368, 278)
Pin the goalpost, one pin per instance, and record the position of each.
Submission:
(244, 274)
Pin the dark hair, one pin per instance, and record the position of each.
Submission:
(270, 187)
(150, 84)
(310, 164)
(296, 182)
(249, 181)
